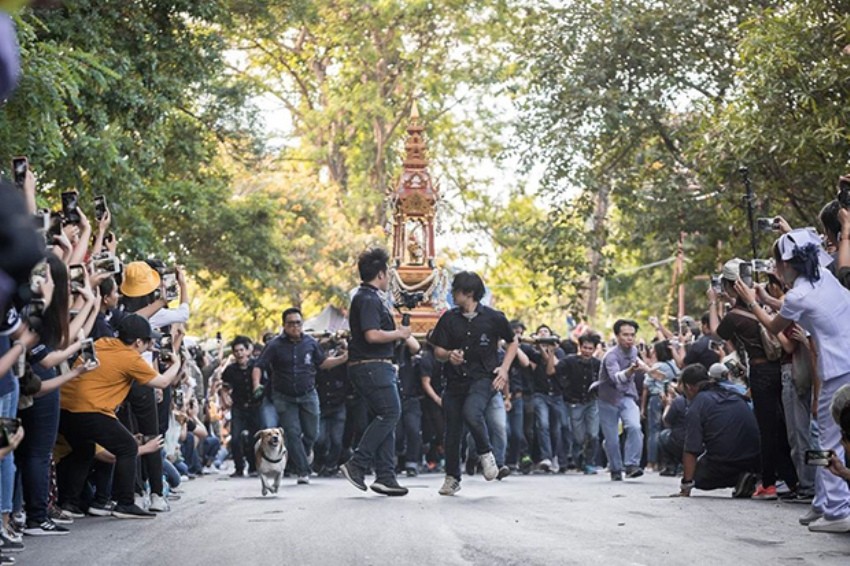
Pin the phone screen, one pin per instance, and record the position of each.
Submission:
(19, 170)
(99, 207)
(87, 352)
(818, 457)
(70, 201)
(77, 276)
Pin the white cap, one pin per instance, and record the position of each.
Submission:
(718, 371)
(732, 269)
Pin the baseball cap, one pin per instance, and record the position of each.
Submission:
(732, 269)
(140, 279)
(134, 327)
(717, 371)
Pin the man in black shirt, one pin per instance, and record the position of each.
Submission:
(517, 443)
(433, 430)
(576, 374)
(550, 414)
(409, 429)
(371, 371)
(721, 437)
(701, 352)
(672, 439)
(244, 412)
(292, 360)
(467, 337)
(332, 386)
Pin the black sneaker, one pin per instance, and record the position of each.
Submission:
(10, 544)
(411, 472)
(504, 472)
(616, 476)
(389, 487)
(73, 511)
(354, 475)
(634, 472)
(745, 486)
(6, 559)
(238, 474)
(99, 509)
(132, 511)
(45, 528)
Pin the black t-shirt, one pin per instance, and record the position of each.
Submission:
(743, 331)
(700, 352)
(517, 374)
(238, 380)
(410, 385)
(576, 374)
(332, 386)
(721, 423)
(368, 312)
(478, 337)
(675, 419)
(544, 383)
(431, 368)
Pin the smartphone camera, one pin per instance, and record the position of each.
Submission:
(818, 457)
(8, 428)
(715, 283)
(767, 224)
(87, 352)
(844, 192)
(99, 207)
(166, 346)
(745, 272)
(70, 210)
(169, 279)
(19, 171)
(763, 266)
(106, 263)
(77, 277)
(38, 276)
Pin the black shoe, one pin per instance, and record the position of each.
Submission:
(238, 474)
(745, 486)
(73, 510)
(634, 472)
(131, 512)
(616, 476)
(667, 473)
(45, 528)
(470, 466)
(6, 559)
(411, 472)
(389, 487)
(354, 475)
(504, 472)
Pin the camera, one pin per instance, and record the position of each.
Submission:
(99, 207)
(166, 346)
(763, 266)
(19, 171)
(409, 300)
(106, 263)
(767, 224)
(70, 201)
(178, 398)
(546, 340)
(76, 277)
(87, 352)
(844, 192)
(745, 272)
(169, 279)
(715, 283)
(818, 457)
(8, 428)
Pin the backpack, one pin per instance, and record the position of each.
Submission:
(770, 343)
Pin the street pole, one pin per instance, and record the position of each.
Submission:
(751, 214)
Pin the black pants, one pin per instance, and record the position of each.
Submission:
(142, 418)
(712, 474)
(671, 449)
(766, 388)
(83, 431)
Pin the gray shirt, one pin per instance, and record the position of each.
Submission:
(614, 384)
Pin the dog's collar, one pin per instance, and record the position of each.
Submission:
(267, 459)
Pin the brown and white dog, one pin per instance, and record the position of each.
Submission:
(270, 454)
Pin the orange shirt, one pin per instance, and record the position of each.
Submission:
(102, 390)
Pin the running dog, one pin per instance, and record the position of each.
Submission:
(270, 455)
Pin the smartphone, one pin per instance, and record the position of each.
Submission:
(38, 276)
(76, 276)
(70, 203)
(166, 346)
(87, 352)
(8, 428)
(99, 207)
(715, 283)
(745, 272)
(844, 192)
(19, 170)
(767, 224)
(818, 457)
(106, 263)
(763, 266)
(169, 279)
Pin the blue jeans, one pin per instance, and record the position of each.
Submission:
(798, 418)
(548, 413)
(329, 443)
(517, 444)
(8, 409)
(653, 427)
(584, 418)
(609, 418)
(41, 424)
(267, 417)
(466, 405)
(409, 432)
(497, 426)
(299, 417)
(377, 384)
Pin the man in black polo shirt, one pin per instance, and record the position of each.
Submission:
(721, 437)
(467, 337)
(292, 360)
(371, 371)
(244, 413)
(576, 374)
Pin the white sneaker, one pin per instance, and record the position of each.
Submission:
(142, 501)
(450, 486)
(158, 504)
(810, 517)
(545, 465)
(824, 525)
(488, 466)
(303, 480)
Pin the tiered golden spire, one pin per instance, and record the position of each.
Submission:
(416, 150)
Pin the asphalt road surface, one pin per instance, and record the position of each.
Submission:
(528, 520)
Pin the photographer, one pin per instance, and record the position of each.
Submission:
(550, 413)
(819, 304)
(517, 453)
(741, 327)
(332, 386)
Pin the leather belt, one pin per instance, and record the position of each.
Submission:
(375, 361)
(758, 361)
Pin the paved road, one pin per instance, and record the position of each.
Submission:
(528, 520)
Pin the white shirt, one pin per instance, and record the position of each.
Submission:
(823, 309)
(167, 317)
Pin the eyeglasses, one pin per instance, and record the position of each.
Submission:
(293, 323)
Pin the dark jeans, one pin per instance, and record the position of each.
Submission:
(670, 449)
(711, 474)
(466, 405)
(409, 432)
(143, 418)
(83, 431)
(377, 383)
(329, 444)
(766, 388)
(517, 444)
(299, 417)
(40, 422)
(356, 421)
(433, 428)
(243, 419)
